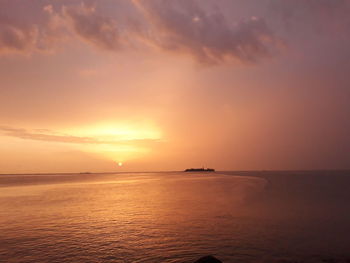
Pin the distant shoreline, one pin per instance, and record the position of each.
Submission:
(181, 171)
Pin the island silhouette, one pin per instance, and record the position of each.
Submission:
(199, 170)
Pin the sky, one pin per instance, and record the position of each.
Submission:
(154, 85)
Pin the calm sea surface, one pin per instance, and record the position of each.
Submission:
(175, 217)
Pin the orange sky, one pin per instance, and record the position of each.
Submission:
(166, 85)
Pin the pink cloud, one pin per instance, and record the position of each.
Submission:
(184, 27)
(16, 39)
(96, 29)
(180, 27)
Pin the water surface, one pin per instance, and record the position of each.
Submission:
(175, 217)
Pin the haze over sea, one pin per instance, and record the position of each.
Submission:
(175, 217)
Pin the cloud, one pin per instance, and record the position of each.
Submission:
(99, 30)
(180, 27)
(26, 35)
(54, 26)
(14, 38)
(184, 27)
(321, 16)
(50, 136)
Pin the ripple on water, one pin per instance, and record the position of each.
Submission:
(159, 217)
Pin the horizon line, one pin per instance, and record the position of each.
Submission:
(174, 171)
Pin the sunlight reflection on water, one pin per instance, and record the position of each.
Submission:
(152, 217)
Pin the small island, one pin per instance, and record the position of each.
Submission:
(199, 170)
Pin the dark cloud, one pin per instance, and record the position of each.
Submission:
(321, 16)
(26, 32)
(179, 26)
(183, 26)
(50, 136)
(92, 27)
(15, 38)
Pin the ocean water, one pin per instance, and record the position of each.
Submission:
(176, 217)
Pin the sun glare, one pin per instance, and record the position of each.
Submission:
(118, 141)
(119, 132)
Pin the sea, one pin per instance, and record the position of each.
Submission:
(251, 216)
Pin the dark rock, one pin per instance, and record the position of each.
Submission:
(208, 259)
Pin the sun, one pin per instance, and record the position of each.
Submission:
(120, 164)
